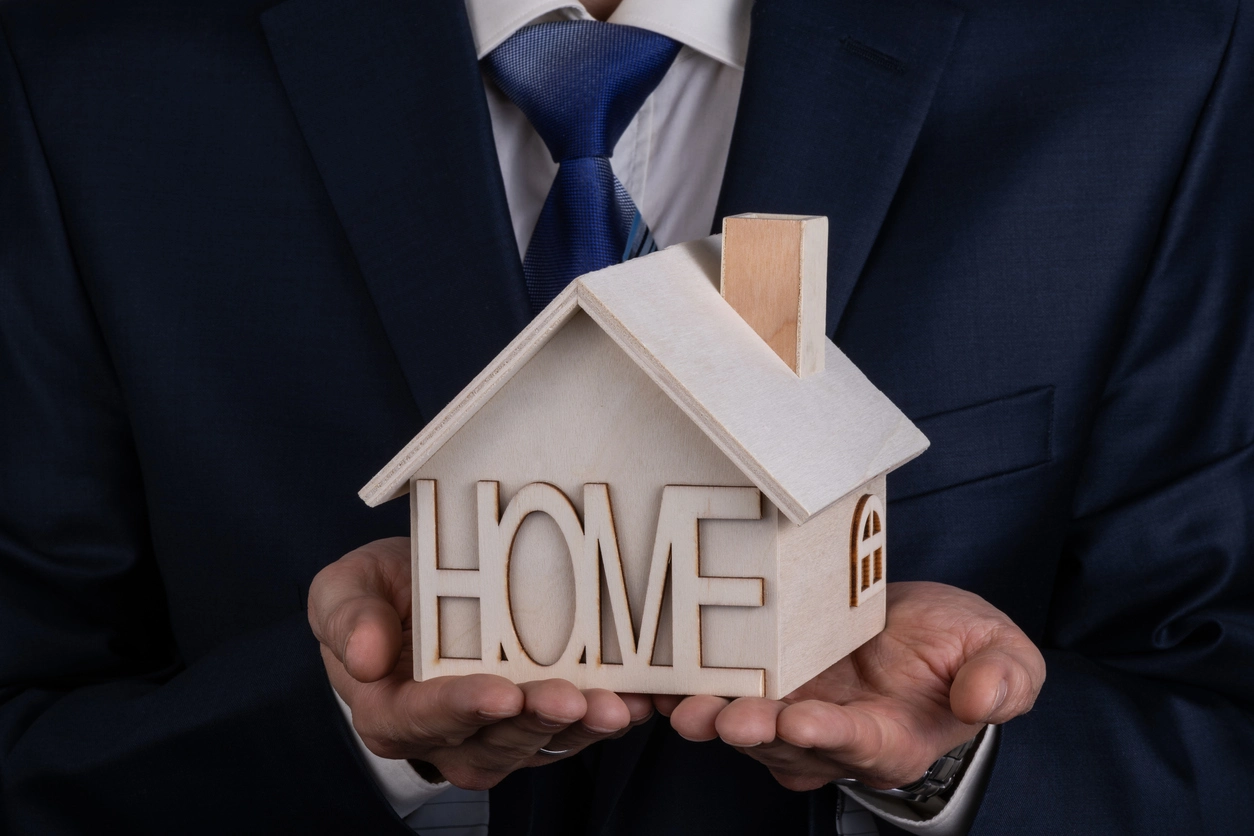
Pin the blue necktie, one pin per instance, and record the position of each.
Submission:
(580, 83)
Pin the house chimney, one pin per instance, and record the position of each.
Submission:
(774, 274)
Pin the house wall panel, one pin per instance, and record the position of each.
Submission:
(580, 411)
(817, 625)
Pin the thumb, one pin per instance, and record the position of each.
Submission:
(353, 607)
(998, 683)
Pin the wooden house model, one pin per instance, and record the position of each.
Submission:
(659, 487)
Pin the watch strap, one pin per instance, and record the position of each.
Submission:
(938, 778)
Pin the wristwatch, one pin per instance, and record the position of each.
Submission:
(940, 776)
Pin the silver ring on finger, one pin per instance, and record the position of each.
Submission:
(544, 751)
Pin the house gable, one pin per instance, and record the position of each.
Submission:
(581, 412)
(393, 480)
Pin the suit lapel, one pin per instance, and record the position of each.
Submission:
(390, 101)
(834, 96)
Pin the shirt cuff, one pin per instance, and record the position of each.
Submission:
(401, 785)
(954, 816)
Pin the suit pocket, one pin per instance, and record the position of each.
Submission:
(979, 442)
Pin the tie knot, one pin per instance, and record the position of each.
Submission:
(580, 82)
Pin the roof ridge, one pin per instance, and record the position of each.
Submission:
(805, 442)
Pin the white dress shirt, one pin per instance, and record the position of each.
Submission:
(670, 160)
(671, 157)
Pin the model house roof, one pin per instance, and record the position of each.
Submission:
(803, 441)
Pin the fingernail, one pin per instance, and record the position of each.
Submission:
(495, 715)
(696, 739)
(551, 722)
(599, 730)
(748, 745)
(1002, 688)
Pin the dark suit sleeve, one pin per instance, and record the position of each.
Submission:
(1146, 722)
(101, 726)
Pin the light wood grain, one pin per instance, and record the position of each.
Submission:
(756, 605)
(393, 480)
(774, 274)
(638, 495)
(866, 550)
(582, 418)
(805, 442)
(817, 626)
(676, 558)
(682, 508)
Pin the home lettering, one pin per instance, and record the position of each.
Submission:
(594, 553)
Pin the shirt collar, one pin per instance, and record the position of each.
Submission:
(717, 28)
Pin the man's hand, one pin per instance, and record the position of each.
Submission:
(947, 663)
(474, 730)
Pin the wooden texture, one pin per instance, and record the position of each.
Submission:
(807, 627)
(755, 604)
(596, 559)
(638, 495)
(805, 442)
(816, 625)
(866, 550)
(774, 274)
(584, 420)
(393, 480)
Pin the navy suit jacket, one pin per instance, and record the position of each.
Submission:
(247, 248)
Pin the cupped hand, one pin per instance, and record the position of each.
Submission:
(946, 664)
(470, 730)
